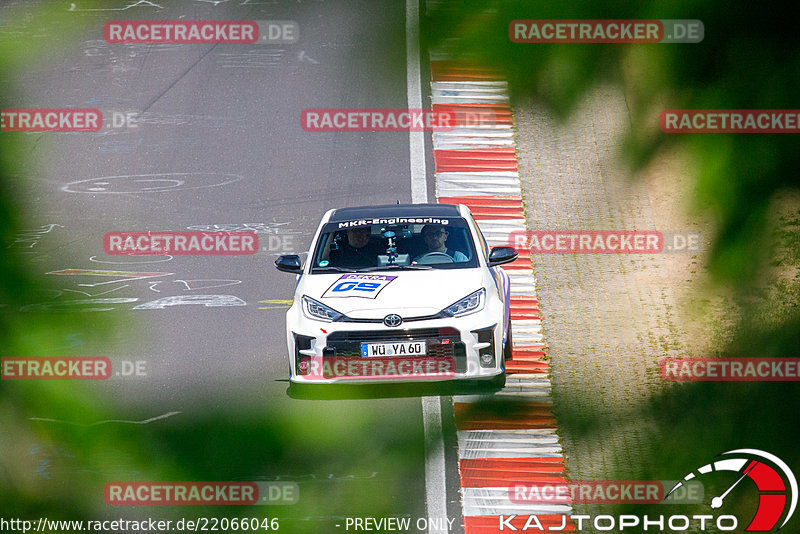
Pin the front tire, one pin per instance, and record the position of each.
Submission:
(494, 383)
(508, 348)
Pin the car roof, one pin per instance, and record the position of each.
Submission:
(395, 210)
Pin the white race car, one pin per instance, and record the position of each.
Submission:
(401, 293)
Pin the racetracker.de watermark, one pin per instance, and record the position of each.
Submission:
(50, 120)
(730, 121)
(70, 368)
(180, 243)
(606, 31)
(379, 368)
(56, 368)
(606, 241)
(378, 120)
(180, 32)
(201, 493)
(603, 492)
(201, 32)
(730, 369)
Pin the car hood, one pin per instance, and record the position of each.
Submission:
(406, 293)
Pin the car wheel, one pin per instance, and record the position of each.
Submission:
(508, 348)
(497, 382)
(487, 384)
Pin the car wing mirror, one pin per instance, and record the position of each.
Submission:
(501, 255)
(289, 263)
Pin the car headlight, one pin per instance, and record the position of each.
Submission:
(317, 310)
(469, 304)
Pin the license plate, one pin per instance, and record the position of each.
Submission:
(398, 348)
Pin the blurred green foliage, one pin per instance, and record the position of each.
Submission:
(749, 59)
(62, 441)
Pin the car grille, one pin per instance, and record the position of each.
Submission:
(418, 334)
(441, 342)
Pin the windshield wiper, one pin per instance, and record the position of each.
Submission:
(332, 268)
(394, 266)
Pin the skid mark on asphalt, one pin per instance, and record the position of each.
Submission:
(120, 275)
(140, 3)
(150, 183)
(95, 294)
(208, 301)
(109, 421)
(193, 285)
(31, 238)
(167, 257)
(123, 277)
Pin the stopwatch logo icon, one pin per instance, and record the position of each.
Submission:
(775, 482)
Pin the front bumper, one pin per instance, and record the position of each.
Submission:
(330, 352)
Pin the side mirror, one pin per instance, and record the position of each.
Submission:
(501, 255)
(289, 263)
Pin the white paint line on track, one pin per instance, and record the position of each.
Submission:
(473, 143)
(497, 501)
(416, 144)
(524, 324)
(455, 97)
(470, 85)
(506, 453)
(528, 384)
(500, 396)
(511, 224)
(491, 183)
(477, 445)
(523, 377)
(446, 189)
(435, 485)
(522, 431)
(480, 175)
(527, 389)
(467, 436)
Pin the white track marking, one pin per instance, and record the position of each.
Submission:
(435, 487)
(419, 186)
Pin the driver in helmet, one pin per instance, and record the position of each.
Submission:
(435, 237)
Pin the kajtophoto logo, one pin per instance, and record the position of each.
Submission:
(775, 492)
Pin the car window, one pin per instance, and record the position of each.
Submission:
(413, 245)
(481, 238)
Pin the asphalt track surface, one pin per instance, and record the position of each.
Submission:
(219, 143)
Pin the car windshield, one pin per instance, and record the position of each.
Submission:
(415, 246)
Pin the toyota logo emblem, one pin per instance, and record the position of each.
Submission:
(393, 320)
